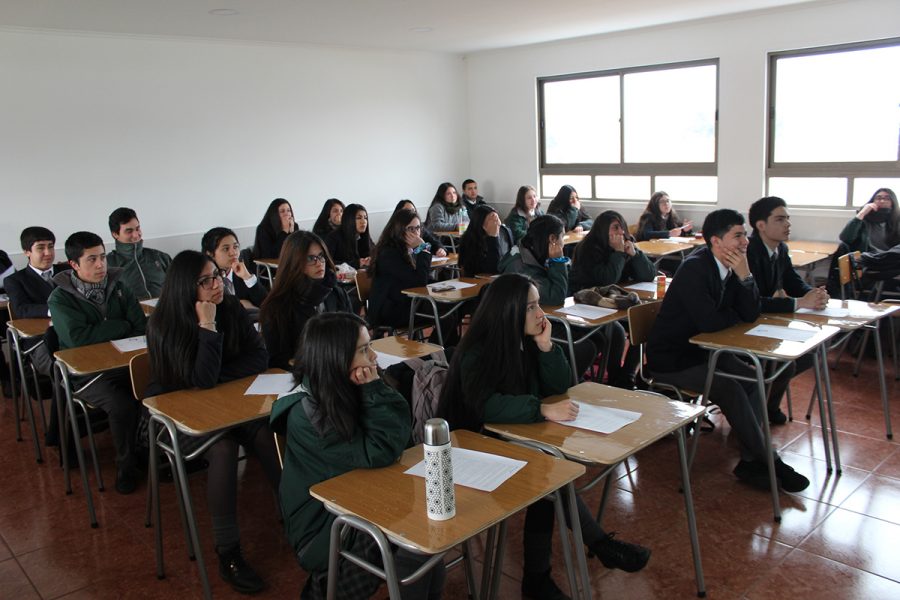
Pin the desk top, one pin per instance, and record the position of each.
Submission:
(398, 346)
(861, 313)
(573, 238)
(198, 412)
(663, 247)
(812, 246)
(96, 358)
(269, 262)
(148, 306)
(452, 296)
(801, 259)
(735, 337)
(453, 233)
(451, 260)
(399, 507)
(551, 311)
(659, 417)
(29, 328)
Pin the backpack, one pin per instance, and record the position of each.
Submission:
(428, 380)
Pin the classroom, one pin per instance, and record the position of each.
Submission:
(198, 115)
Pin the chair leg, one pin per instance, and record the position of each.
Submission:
(93, 447)
(790, 403)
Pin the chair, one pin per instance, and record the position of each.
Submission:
(363, 290)
(19, 366)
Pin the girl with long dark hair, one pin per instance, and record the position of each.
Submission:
(329, 218)
(660, 220)
(340, 417)
(500, 372)
(351, 242)
(276, 225)
(198, 337)
(567, 206)
(484, 243)
(527, 207)
(222, 245)
(437, 248)
(445, 212)
(876, 226)
(306, 284)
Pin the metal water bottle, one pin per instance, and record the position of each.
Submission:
(439, 497)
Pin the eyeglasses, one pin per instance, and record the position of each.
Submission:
(414, 228)
(885, 198)
(208, 282)
(312, 259)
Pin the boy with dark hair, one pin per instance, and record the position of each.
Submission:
(781, 289)
(144, 268)
(91, 304)
(714, 289)
(470, 197)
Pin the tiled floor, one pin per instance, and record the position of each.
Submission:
(838, 539)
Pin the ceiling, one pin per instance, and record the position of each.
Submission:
(461, 26)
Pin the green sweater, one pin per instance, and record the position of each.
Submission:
(552, 281)
(144, 268)
(79, 322)
(315, 453)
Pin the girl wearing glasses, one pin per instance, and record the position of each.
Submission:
(437, 248)
(660, 221)
(198, 337)
(876, 227)
(306, 284)
(222, 245)
(351, 242)
(341, 417)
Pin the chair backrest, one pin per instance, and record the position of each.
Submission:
(139, 369)
(640, 321)
(363, 284)
(846, 275)
(9, 309)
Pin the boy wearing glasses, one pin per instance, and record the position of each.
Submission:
(92, 304)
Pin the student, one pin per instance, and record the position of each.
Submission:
(351, 243)
(144, 269)
(340, 417)
(29, 289)
(222, 245)
(781, 289)
(330, 217)
(445, 212)
(713, 290)
(660, 220)
(198, 336)
(606, 256)
(470, 198)
(92, 304)
(6, 268)
(437, 248)
(276, 225)
(567, 207)
(484, 243)
(876, 226)
(526, 209)
(307, 284)
(503, 367)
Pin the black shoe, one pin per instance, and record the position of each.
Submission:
(753, 472)
(776, 417)
(540, 586)
(616, 554)
(237, 573)
(126, 479)
(791, 480)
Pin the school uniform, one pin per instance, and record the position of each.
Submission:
(144, 269)
(29, 291)
(393, 274)
(573, 217)
(343, 250)
(246, 289)
(551, 279)
(267, 244)
(441, 218)
(518, 222)
(473, 261)
(651, 227)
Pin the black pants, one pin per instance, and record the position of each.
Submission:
(112, 394)
(538, 533)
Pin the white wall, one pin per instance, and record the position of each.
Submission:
(503, 105)
(194, 134)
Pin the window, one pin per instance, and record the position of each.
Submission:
(626, 133)
(834, 123)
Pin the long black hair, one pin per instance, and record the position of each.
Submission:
(439, 198)
(505, 354)
(892, 223)
(653, 214)
(323, 226)
(537, 238)
(595, 245)
(173, 330)
(324, 357)
(270, 224)
(394, 236)
(473, 243)
(561, 202)
(348, 232)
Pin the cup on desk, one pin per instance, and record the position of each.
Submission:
(462, 228)
(698, 235)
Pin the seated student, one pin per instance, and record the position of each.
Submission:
(503, 367)
(330, 217)
(445, 212)
(713, 290)
(351, 242)
(6, 268)
(470, 198)
(198, 336)
(144, 269)
(607, 255)
(567, 207)
(437, 248)
(307, 284)
(526, 209)
(781, 289)
(660, 220)
(876, 226)
(484, 243)
(276, 225)
(30, 288)
(91, 304)
(340, 417)
(221, 244)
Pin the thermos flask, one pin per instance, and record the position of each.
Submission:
(439, 496)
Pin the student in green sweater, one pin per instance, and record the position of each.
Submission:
(339, 418)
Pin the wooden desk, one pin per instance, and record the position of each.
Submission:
(403, 347)
(573, 238)
(450, 236)
(660, 248)
(806, 260)
(270, 265)
(17, 331)
(812, 246)
(734, 340)
(399, 509)
(148, 306)
(451, 261)
(455, 298)
(660, 416)
(197, 412)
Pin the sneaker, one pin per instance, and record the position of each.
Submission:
(776, 417)
(540, 586)
(237, 573)
(616, 554)
(753, 472)
(791, 480)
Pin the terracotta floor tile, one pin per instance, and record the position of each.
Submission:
(856, 450)
(891, 466)
(14, 583)
(877, 497)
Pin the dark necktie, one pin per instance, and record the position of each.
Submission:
(773, 272)
(229, 286)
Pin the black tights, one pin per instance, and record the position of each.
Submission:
(538, 536)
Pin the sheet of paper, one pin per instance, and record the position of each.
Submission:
(130, 344)
(479, 470)
(272, 383)
(781, 333)
(151, 302)
(586, 311)
(603, 419)
(438, 259)
(644, 286)
(385, 360)
(827, 312)
(449, 286)
(679, 240)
